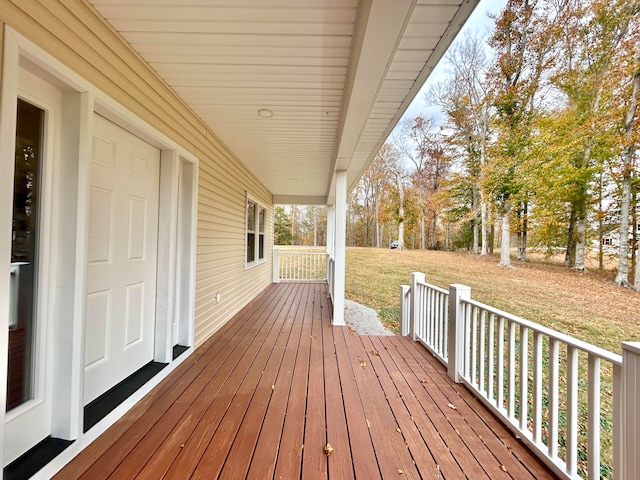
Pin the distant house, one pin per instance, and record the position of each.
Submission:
(143, 146)
(611, 240)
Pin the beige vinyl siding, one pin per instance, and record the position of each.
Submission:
(73, 33)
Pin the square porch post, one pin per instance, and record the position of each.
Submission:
(339, 247)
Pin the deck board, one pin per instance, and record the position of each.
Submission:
(265, 394)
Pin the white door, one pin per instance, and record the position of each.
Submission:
(122, 257)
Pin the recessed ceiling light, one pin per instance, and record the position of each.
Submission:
(265, 113)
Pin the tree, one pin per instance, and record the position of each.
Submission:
(626, 14)
(522, 43)
(423, 147)
(282, 227)
(464, 99)
(390, 157)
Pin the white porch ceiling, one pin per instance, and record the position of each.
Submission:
(336, 75)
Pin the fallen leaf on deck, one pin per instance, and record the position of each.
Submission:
(363, 363)
(328, 449)
(368, 424)
(375, 352)
(451, 406)
(398, 430)
(504, 469)
(400, 472)
(273, 387)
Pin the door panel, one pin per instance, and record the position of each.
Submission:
(121, 274)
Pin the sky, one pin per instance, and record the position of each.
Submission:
(480, 23)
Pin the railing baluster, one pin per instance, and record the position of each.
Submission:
(537, 387)
(482, 359)
(492, 351)
(524, 377)
(593, 422)
(512, 370)
(572, 411)
(466, 316)
(554, 399)
(500, 380)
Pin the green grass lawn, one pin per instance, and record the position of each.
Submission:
(585, 305)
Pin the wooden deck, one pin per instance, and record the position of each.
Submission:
(264, 395)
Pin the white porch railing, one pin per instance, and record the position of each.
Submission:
(574, 404)
(299, 265)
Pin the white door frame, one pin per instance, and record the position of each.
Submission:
(80, 100)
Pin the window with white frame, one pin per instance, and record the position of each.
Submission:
(255, 238)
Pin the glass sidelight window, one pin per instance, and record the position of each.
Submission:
(24, 255)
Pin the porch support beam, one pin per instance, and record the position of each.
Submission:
(340, 241)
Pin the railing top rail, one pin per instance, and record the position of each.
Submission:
(569, 340)
(433, 287)
(319, 254)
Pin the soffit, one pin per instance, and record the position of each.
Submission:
(336, 75)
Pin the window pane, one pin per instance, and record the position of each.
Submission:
(251, 216)
(251, 247)
(24, 255)
(261, 220)
(261, 247)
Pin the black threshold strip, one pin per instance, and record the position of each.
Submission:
(31, 462)
(108, 401)
(179, 350)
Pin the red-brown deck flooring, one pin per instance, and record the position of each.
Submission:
(264, 395)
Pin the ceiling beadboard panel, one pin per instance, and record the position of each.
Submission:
(273, 78)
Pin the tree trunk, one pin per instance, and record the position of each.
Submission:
(522, 232)
(581, 233)
(476, 240)
(484, 226)
(492, 237)
(378, 232)
(636, 278)
(422, 232)
(505, 254)
(570, 254)
(400, 214)
(622, 277)
(600, 224)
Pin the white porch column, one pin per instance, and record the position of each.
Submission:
(331, 223)
(339, 247)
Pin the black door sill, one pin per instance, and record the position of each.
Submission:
(29, 463)
(179, 350)
(108, 401)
